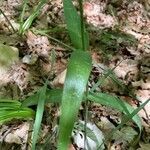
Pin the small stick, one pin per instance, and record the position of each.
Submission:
(7, 20)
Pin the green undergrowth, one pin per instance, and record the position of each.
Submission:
(113, 40)
(75, 91)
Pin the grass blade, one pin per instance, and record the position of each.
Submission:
(26, 25)
(9, 103)
(127, 118)
(39, 115)
(114, 102)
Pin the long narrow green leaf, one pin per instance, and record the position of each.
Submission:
(114, 102)
(75, 84)
(52, 96)
(102, 98)
(128, 117)
(29, 21)
(74, 26)
(39, 115)
(8, 115)
(9, 103)
(11, 109)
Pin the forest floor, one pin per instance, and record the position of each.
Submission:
(119, 33)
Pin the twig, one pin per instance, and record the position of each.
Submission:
(8, 21)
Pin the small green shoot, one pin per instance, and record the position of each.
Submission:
(26, 25)
(11, 109)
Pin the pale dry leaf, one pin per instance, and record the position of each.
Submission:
(20, 76)
(94, 137)
(95, 16)
(144, 95)
(141, 84)
(60, 79)
(14, 3)
(19, 135)
(12, 138)
(4, 130)
(71, 147)
(9, 9)
(7, 62)
(38, 44)
(144, 146)
(105, 124)
(125, 67)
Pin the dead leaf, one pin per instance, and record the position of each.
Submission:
(19, 135)
(144, 95)
(60, 79)
(144, 146)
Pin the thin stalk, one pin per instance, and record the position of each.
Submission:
(54, 39)
(82, 22)
(102, 80)
(86, 117)
(23, 11)
(8, 21)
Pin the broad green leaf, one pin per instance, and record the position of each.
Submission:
(105, 99)
(75, 84)
(54, 95)
(73, 22)
(102, 98)
(39, 115)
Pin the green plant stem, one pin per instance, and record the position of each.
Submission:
(82, 22)
(86, 116)
(101, 81)
(23, 11)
